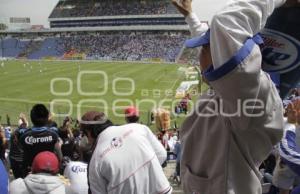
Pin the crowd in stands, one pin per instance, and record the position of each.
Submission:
(111, 8)
(132, 45)
(126, 46)
(45, 158)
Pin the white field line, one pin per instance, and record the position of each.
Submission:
(159, 77)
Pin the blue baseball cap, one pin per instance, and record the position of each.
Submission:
(198, 41)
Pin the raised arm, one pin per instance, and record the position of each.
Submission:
(185, 8)
(238, 21)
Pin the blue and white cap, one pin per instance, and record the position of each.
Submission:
(198, 41)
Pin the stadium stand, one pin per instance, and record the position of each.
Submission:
(111, 8)
(103, 30)
(12, 47)
(139, 45)
(130, 45)
(79, 13)
(49, 47)
(126, 46)
(31, 47)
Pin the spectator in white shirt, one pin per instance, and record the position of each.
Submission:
(127, 159)
(76, 171)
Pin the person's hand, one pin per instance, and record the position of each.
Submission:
(297, 105)
(183, 6)
(293, 112)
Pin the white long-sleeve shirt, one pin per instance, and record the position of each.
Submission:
(230, 132)
(195, 25)
(127, 159)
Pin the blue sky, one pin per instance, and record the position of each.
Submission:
(39, 10)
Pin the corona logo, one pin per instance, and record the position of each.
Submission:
(79, 169)
(32, 140)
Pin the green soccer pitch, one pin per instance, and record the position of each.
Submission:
(73, 87)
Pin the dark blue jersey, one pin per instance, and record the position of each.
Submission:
(37, 140)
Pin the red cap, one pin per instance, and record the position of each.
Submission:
(131, 111)
(45, 162)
